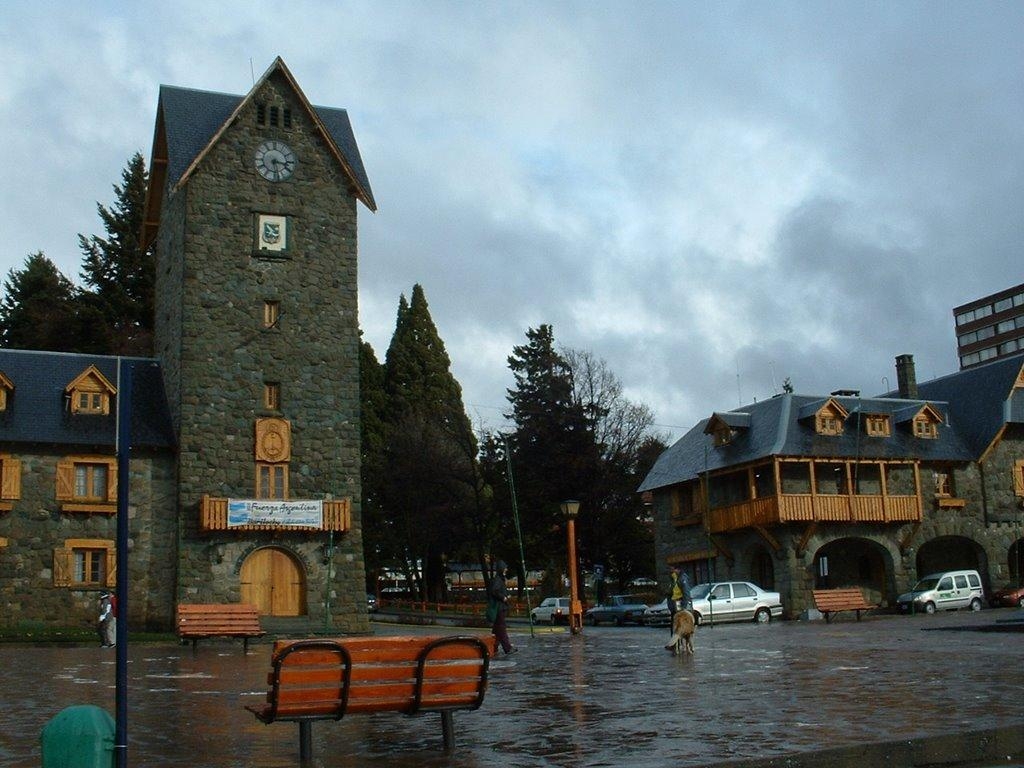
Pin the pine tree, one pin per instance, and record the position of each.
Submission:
(553, 443)
(430, 448)
(120, 272)
(42, 309)
(377, 537)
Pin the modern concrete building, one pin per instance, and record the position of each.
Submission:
(990, 328)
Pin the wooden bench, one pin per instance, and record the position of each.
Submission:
(218, 620)
(329, 679)
(830, 601)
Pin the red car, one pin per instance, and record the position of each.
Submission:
(1011, 596)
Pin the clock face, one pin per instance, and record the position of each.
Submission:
(275, 160)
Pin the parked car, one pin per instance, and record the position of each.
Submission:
(946, 591)
(722, 601)
(657, 615)
(620, 609)
(551, 610)
(1010, 596)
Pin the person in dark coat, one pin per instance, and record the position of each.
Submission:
(497, 593)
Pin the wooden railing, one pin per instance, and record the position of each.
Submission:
(814, 508)
(213, 516)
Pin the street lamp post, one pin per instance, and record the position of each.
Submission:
(570, 509)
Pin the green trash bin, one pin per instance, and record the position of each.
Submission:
(81, 736)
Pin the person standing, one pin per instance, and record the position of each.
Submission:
(497, 593)
(106, 626)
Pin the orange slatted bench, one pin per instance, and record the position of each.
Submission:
(830, 601)
(329, 679)
(218, 620)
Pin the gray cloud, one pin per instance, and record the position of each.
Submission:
(711, 197)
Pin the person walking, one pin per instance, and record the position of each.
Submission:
(497, 595)
(106, 626)
(678, 594)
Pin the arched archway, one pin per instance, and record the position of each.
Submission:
(950, 553)
(274, 581)
(855, 562)
(762, 568)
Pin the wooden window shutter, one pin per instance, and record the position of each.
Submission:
(10, 479)
(112, 481)
(65, 480)
(111, 567)
(1018, 477)
(62, 567)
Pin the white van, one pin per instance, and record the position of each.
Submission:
(944, 591)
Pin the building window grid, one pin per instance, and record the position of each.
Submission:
(272, 396)
(271, 313)
(89, 566)
(91, 483)
(271, 481)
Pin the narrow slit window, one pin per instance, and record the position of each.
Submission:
(273, 116)
(272, 396)
(271, 313)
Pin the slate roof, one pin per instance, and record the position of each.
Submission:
(192, 117)
(982, 400)
(780, 427)
(38, 413)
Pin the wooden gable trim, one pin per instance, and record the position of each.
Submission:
(158, 163)
(6, 387)
(1019, 382)
(91, 373)
(279, 66)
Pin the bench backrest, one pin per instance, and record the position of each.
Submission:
(213, 618)
(837, 598)
(318, 679)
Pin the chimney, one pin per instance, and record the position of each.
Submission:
(905, 377)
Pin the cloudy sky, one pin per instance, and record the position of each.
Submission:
(712, 197)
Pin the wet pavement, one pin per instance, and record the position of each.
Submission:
(610, 697)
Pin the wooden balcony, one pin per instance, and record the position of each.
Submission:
(789, 508)
(213, 516)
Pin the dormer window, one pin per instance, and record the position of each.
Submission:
(723, 427)
(828, 424)
(877, 425)
(6, 388)
(90, 393)
(723, 435)
(925, 428)
(828, 416)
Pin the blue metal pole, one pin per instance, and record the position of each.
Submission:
(124, 432)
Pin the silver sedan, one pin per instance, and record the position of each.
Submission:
(722, 601)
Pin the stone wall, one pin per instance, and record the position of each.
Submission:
(36, 526)
(226, 356)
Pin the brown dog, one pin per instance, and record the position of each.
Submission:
(683, 627)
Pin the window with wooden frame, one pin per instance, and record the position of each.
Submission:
(85, 563)
(271, 480)
(877, 425)
(272, 396)
(925, 428)
(944, 486)
(87, 484)
(723, 435)
(271, 313)
(10, 481)
(1018, 477)
(827, 424)
(90, 393)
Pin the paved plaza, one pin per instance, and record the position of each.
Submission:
(776, 694)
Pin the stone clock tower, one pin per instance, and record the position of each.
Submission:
(252, 204)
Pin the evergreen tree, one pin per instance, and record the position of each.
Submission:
(120, 272)
(429, 447)
(377, 536)
(42, 309)
(554, 453)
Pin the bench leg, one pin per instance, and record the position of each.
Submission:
(828, 616)
(858, 615)
(245, 646)
(305, 741)
(448, 730)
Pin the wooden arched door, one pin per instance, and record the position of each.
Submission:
(274, 582)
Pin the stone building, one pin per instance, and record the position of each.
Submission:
(801, 492)
(248, 489)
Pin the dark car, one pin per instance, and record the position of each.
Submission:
(1009, 596)
(620, 609)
